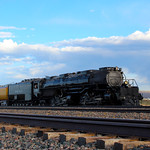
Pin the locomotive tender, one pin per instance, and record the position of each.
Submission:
(106, 86)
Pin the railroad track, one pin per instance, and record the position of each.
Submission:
(121, 127)
(92, 109)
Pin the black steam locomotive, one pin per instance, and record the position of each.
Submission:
(106, 86)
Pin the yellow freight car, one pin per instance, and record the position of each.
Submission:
(3, 95)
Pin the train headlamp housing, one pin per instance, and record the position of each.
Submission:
(126, 82)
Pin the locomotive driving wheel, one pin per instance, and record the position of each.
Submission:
(55, 101)
(52, 103)
(58, 101)
(85, 99)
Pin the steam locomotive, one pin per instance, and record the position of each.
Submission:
(105, 86)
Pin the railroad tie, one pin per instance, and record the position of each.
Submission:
(62, 138)
(14, 131)
(45, 136)
(100, 144)
(22, 132)
(81, 141)
(3, 129)
(39, 133)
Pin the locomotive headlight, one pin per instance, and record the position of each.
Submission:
(126, 82)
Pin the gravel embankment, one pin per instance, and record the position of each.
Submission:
(122, 115)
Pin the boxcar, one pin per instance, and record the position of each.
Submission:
(3, 95)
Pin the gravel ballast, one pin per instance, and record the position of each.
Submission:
(31, 141)
(121, 115)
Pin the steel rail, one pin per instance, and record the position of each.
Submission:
(121, 127)
(91, 109)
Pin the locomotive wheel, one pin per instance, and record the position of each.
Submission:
(56, 101)
(131, 102)
(85, 98)
(52, 103)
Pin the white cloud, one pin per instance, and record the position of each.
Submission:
(137, 43)
(105, 46)
(75, 49)
(138, 35)
(20, 76)
(11, 47)
(20, 69)
(6, 35)
(11, 28)
(91, 41)
(9, 60)
(8, 46)
(38, 69)
(134, 44)
(113, 40)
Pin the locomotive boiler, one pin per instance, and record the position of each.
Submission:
(105, 86)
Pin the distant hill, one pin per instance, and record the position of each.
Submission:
(146, 94)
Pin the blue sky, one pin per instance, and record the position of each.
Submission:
(48, 37)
